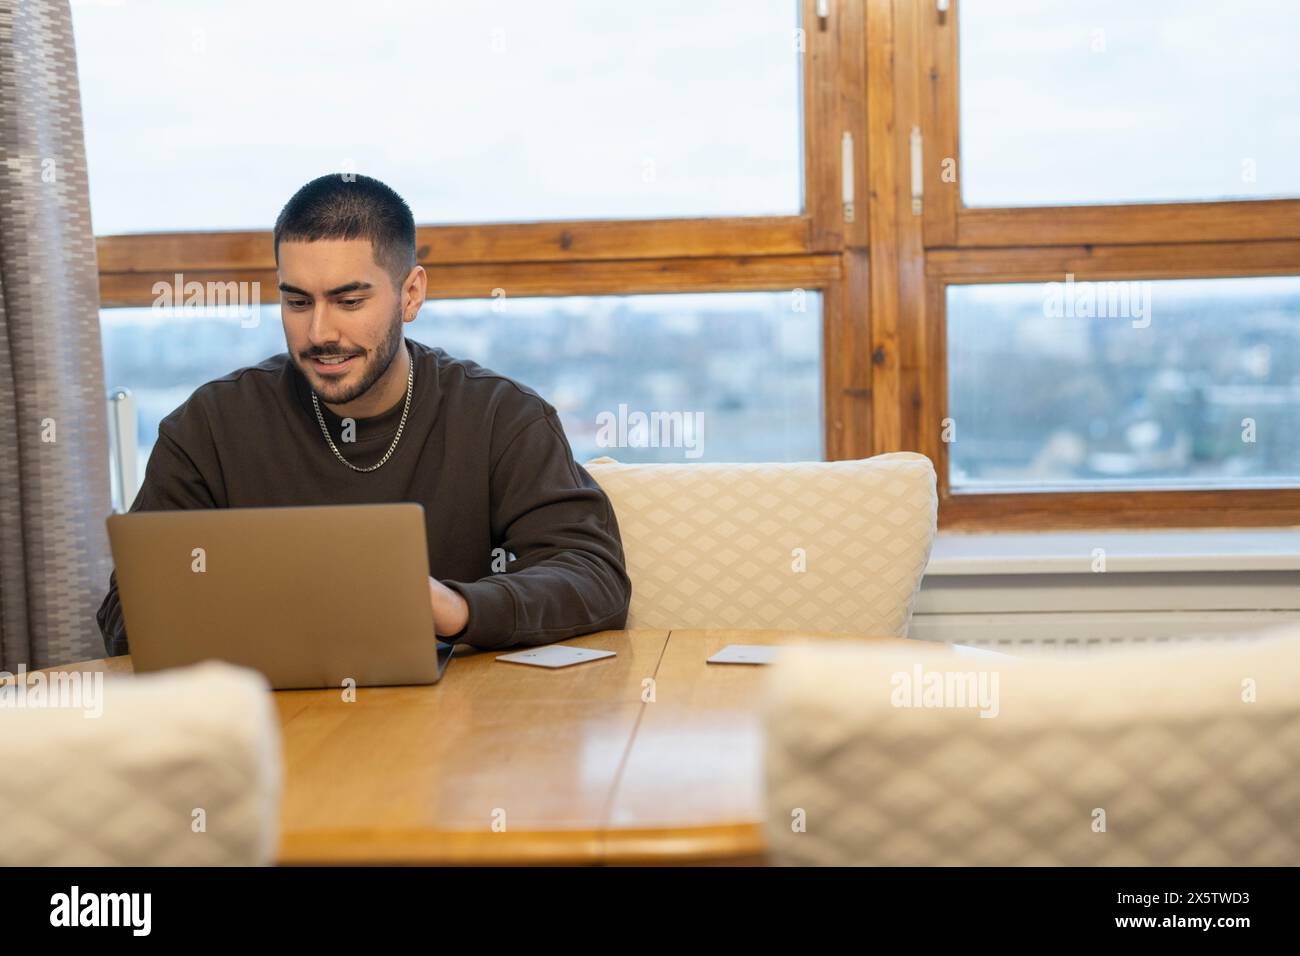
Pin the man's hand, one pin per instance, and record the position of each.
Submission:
(450, 612)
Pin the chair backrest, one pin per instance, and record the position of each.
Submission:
(178, 768)
(834, 546)
(1175, 756)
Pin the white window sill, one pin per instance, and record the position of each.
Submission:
(1074, 552)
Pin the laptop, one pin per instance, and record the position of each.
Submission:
(309, 596)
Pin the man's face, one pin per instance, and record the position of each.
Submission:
(342, 315)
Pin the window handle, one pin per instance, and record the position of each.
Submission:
(846, 174)
(918, 180)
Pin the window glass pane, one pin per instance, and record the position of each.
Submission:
(1107, 101)
(208, 114)
(1170, 384)
(735, 376)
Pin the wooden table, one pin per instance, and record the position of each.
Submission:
(652, 756)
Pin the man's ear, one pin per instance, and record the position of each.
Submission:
(414, 288)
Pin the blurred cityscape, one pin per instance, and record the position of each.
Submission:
(748, 364)
(1205, 395)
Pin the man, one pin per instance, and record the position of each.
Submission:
(523, 545)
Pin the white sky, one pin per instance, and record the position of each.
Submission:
(1085, 101)
(208, 114)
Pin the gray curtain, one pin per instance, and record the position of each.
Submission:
(54, 485)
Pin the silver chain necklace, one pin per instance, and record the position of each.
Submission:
(410, 380)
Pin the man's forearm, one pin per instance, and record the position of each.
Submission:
(553, 600)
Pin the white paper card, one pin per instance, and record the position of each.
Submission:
(966, 650)
(554, 655)
(746, 654)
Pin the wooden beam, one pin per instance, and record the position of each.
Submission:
(477, 280)
(883, 176)
(1162, 261)
(1133, 224)
(848, 372)
(494, 242)
(915, 418)
(851, 86)
(1094, 510)
(940, 126)
(822, 127)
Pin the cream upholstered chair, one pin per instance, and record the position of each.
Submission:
(123, 788)
(835, 546)
(1174, 756)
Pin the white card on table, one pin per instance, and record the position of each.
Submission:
(745, 654)
(554, 655)
(966, 650)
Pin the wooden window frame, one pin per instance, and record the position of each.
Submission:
(814, 250)
(874, 69)
(1035, 510)
(953, 244)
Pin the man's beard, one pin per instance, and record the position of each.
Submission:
(377, 364)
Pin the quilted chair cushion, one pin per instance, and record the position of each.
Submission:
(714, 545)
(1186, 772)
(122, 788)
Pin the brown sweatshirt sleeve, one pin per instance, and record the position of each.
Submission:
(568, 576)
(171, 482)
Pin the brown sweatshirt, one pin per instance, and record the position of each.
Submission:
(484, 455)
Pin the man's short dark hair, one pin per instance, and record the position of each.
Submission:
(351, 206)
